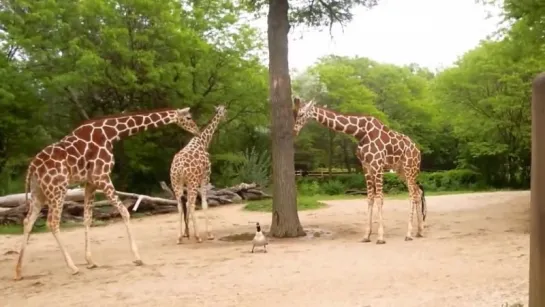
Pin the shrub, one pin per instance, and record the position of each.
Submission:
(451, 180)
(248, 166)
(333, 187)
(256, 167)
(309, 188)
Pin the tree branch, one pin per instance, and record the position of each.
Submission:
(74, 98)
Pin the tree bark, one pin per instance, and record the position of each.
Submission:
(285, 219)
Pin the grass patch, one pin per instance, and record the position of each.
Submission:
(313, 202)
(39, 227)
(303, 203)
(439, 193)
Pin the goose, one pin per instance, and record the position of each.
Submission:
(259, 239)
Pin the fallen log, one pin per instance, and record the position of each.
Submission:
(102, 210)
(355, 192)
(14, 200)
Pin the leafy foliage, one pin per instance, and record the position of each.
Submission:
(61, 64)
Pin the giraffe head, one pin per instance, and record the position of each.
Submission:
(221, 111)
(302, 113)
(185, 121)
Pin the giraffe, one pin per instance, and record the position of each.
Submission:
(379, 148)
(85, 156)
(191, 167)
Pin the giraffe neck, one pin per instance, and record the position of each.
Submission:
(124, 126)
(347, 124)
(208, 132)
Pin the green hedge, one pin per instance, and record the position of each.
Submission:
(452, 180)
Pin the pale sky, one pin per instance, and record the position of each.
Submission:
(432, 33)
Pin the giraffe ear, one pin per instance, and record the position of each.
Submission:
(183, 111)
(310, 104)
(297, 103)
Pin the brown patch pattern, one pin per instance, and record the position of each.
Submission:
(191, 167)
(379, 149)
(85, 156)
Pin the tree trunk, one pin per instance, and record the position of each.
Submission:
(285, 219)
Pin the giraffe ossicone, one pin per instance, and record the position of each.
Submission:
(380, 148)
(85, 156)
(191, 167)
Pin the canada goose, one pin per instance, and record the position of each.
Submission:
(259, 239)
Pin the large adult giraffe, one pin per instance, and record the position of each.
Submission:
(379, 148)
(85, 156)
(191, 167)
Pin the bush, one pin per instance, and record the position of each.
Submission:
(309, 188)
(248, 166)
(451, 180)
(333, 187)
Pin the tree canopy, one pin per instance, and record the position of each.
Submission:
(62, 62)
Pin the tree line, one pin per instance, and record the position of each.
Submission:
(62, 62)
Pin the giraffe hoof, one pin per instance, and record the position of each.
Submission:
(138, 262)
(91, 266)
(199, 240)
(17, 278)
(179, 241)
(419, 235)
(381, 242)
(75, 272)
(408, 239)
(366, 240)
(211, 237)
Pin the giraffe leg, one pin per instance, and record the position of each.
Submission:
(419, 214)
(53, 222)
(87, 221)
(108, 188)
(204, 206)
(380, 202)
(370, 202)
(35, 207)
(191, 198)
(413, 201)
(186, 220)
(178, 191)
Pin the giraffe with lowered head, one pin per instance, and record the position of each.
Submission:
(86, 156)
(379, 148)
(191, 167)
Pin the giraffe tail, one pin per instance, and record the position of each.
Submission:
(423, 199)
(29, 173)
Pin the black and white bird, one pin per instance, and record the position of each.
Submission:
(259, 239)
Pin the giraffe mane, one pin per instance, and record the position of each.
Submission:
(119, 115)
(345, 114)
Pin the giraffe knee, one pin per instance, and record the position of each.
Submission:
(53, 225)
(123, 211)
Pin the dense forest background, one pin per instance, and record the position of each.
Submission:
(62, 62)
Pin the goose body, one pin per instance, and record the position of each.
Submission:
(259, 239)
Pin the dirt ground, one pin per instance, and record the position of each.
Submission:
(474, 253)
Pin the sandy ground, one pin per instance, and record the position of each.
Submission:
(474, 253)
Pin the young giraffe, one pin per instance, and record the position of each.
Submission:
(85, 156)
(379, 148)
(191, 167)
